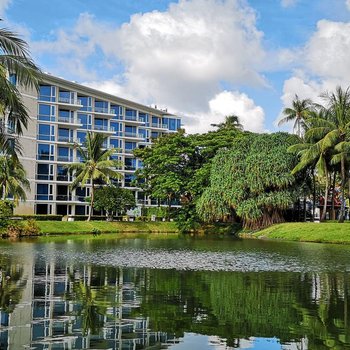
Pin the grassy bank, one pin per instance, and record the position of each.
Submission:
(80, 227)
(328, 232)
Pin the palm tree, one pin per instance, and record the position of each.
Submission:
(95, 165)
(14, 59)
(231, 122)
(335, 133)
(298, 113)
(13, 178)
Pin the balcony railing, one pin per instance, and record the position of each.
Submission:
(104, 128)
(68, 120)
(70, 101)
(63, 197)
(105, 110)
(64, 178)
(68, 139)
(159, 126)
(44, 177)
(44, 197)
(133, 118)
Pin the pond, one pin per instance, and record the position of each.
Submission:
(173, 292)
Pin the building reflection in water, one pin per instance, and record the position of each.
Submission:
(74, 307)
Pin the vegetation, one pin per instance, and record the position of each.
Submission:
(14, 59)
(252, 181)
(80, 227)
(95, 165)
(114, 200)
(328, 232)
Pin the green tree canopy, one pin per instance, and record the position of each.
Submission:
(252, 180)
(114, 200)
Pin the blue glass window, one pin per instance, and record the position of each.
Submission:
(42, 191)
(114, 143)
(172, 124)
(44, 172)
(46, 112)
(130, 129)
(47, 93)
(65, 135)
(115, 126)
(101, 124)
(45, 151)
(81, 136)
(130, 114)
(85, 119)
(165, 122)
(154, 134)
(62, 173)
(143, 133)
(86, 102)
(46, 132)
(143, 117)
(101, 106)
(130, 164)
(64, 154)
(178, 124)
(130, 145)
(155, 121)
(117, 110)
(13, 79)
(128, 178)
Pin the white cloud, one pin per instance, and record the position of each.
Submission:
(347, 3)
(288, 3)
(4, 4)
(178, 58)
(228, 103)
(324, 63)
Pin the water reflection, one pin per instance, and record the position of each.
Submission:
(52, 303)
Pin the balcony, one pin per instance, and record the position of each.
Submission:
(131, 135)
(159, 126)
(107, 112)
(65, 178)
(72, 122)
(104, 129)
(67, 159)
(45, 177)
(44, 197)
(64, 197)
(67, 139)
(133, 120)
(69, 103)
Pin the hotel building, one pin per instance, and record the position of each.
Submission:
(61, 113)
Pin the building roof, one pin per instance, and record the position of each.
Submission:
(48, 78)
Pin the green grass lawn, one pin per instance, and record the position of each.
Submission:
(327, 232)
(79, 227)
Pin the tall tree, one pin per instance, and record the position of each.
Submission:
(335, 132)
(13, 178)
(298, 113)
(252, 180)
(14, 59)
(95, 165)
(231, 122)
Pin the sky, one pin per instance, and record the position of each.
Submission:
(201, 59)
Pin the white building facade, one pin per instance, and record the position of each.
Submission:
(61, 114)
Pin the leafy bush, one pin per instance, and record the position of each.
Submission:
(39, 217)
(15, 229)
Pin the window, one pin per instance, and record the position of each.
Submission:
(101, 106)
(143, 117)
(115, 143)
(81, 136)
(130, 163)
(46, 132)
(86, 102)
(80, 193)
(101, 124)
(13, 79)
(172, 124)
(128, 178)
(85, 119)
(130, 114)
(65, 135)
(115, 126)
(46, 112)
(117, 110)
(165, 122)
(47, 93)
(130, 131)
(65, 116)
(143, 133)
(43, 192)
(80, 210)
(129, 146)
(65, 154)
(62, 173)
(45, 151)
(66, 96)
(154, 134)
(155, 121)
(44, 172)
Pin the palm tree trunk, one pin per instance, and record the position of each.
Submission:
(342, 190)
(91, 200)
(324, 212)
(313, 194)
(333, 194)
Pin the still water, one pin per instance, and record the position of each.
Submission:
(173, 293)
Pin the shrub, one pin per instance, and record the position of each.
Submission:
(39, 217)
(17, 229)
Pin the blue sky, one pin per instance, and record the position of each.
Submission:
(203, 59)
